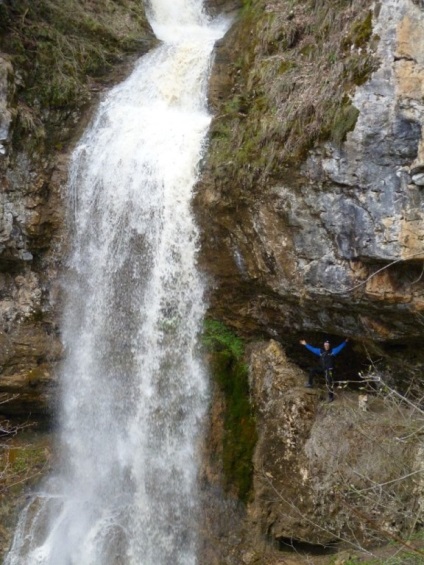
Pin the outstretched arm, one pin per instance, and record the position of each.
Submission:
(339, 348)
(312, 349)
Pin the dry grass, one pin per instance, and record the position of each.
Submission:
(371, 459)
(292, 83)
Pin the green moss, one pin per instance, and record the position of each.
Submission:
(307, 50)
(217, 337)
(21, 460)
(344, 121)
(360, 34)
(362, 31)
(58, 45)
(231, 375)
(360, 70)
(220, 130)
(248, 6)
(25, 457)
(286, 66)
(238, 104)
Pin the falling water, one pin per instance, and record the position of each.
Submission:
(133, 389)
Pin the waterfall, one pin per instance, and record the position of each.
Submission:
(133, 391)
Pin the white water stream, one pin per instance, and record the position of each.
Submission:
(133, 391)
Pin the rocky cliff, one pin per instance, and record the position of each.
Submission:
(55, 60)
(311, 197)
(311, 203)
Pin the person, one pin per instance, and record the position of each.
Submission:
(327, 355)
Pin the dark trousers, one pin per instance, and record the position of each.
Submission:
(329, 379)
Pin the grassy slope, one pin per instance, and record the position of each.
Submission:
(60, 49)
(296, 63)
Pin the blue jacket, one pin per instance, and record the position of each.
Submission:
(332, 351)
(327, 357)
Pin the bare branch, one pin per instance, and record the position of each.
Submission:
(401, 260)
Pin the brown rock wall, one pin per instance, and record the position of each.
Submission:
(313, 461)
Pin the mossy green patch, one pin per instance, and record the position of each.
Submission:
(344, 121)
(231, 375)
(286, 66)
(22, 460)
(218, 337)
(25, 457)
(58, 44)
(362, 31)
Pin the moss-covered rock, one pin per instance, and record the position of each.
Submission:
(230, 373)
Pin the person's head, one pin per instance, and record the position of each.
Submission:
(326, 345)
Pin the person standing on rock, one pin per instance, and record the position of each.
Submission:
(326, 368)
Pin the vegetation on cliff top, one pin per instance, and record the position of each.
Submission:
(296, 64)
(59, 49)
(230, 372)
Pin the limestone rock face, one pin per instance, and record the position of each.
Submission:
(382, 217)
(312, 225)
(328, 240)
